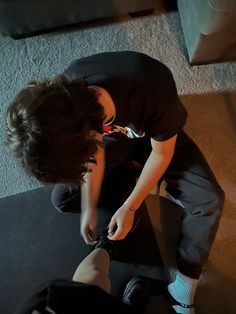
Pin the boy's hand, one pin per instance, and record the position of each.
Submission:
(88, 225)
(120, 224)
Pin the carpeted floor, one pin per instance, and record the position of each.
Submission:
(207, 91)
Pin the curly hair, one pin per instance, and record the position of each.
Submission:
(51, 127)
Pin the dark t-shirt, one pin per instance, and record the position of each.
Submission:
(143, 91)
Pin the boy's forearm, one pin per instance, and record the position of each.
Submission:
(153, 170)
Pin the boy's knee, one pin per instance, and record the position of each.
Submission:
(210, 203)
(66, 205)
(217, 197)
(59, 206)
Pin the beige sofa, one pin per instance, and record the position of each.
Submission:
(21, 18)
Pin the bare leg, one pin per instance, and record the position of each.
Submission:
(94, 270)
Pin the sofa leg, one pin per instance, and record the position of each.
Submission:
(141, 13)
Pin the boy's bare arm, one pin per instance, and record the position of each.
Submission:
(155, 166)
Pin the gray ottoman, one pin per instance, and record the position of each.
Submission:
(209, 28)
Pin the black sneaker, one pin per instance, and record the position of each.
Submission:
(137, 294)
(112, 246)
(106, 244)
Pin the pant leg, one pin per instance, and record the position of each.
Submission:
(66, 199)
(191, 180)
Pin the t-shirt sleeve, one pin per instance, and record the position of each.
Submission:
(168, 122)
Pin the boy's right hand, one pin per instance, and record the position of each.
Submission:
(122, 221)
(88, 224)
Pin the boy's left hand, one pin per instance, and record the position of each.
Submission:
(88, 225)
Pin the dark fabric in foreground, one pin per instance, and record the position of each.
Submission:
(38, 244)
(68, 297)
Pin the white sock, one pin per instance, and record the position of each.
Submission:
(183, 290)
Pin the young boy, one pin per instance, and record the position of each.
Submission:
(105, 111)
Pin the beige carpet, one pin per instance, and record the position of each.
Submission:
(212, 123)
